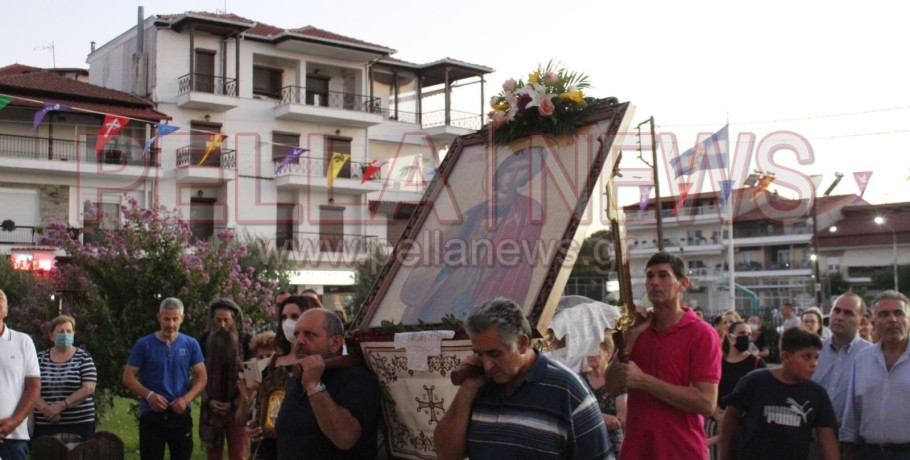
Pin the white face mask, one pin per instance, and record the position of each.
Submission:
(288, 327)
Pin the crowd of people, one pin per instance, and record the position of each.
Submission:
(676, 387)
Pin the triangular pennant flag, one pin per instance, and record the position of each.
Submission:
(110, 128)
(710, 153)
(683, 194)
(48, 107)
(335, 164)
(726, 188)
(862, 180)
(372, 168)
(762, 186)
(162, 130)
(214, 143)
(292, 156)
(4, 101)
(644, 196)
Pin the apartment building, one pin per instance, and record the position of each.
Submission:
(243, 95)
(773, 247)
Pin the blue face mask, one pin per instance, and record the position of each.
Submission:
(63, 340)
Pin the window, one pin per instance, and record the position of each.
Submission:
(331, 228)
(282, 143)
(267, 81)
(783, 258)
(317, 90)
(284, 225)
(99, 216)
(202, 218)
(833, 264)
(204, 74)
(748, 257)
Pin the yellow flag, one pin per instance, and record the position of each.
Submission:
(212, 144)
(335, 164)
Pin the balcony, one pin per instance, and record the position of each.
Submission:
(217, 168)
(22, 235)
(311, 174)
(335, 108)
(207, 92)
(42, 154)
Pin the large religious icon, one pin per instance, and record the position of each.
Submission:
(501, 219)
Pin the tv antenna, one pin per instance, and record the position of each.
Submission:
(50, 48)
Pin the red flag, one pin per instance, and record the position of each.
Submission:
(683, 193)
(110, 128)
(762, 186)
(862, 180)
(372, 168)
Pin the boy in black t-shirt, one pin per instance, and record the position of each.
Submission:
(778, 408)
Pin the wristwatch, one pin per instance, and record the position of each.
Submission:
(320, 387)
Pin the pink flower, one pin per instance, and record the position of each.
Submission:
(546, 107)
(509, 85)
(550, 78)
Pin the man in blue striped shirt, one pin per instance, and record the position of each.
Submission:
(522, 406)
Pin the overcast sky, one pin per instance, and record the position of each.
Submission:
(837, 76)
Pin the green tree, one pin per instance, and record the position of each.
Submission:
(884, 278)
(116, 282)
(366, 272)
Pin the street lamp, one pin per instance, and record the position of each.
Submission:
(881, 221)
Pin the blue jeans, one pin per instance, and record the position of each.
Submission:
(13, 449)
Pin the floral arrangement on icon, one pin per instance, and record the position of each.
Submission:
(552, 102)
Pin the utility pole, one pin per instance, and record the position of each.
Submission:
(653, 166)
(818, 280)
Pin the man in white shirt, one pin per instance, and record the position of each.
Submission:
(20, 386)
(790, 318)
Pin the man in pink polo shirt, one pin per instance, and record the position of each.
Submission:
(672, 374)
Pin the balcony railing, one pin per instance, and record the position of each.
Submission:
(457, 119)
(402, 116)
(332, 99)
(207, 84)
(191, 156)
(43, 148)
(22, 235)
(316, 167)
(758, 266)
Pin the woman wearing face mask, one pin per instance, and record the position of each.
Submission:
(289, 310)
(68, 378)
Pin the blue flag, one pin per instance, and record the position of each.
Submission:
(711, 153)
(163, 130)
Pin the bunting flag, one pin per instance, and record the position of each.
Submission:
(292, 156)
(862, 180)
(726, 188)
(683, 194)
(4, 101)
(372, 168)
(214, 143)
(762, 185)
(644, 196)
(48, 107)
(335, 164)
(711, 153)
(110, 128)
(162, 130)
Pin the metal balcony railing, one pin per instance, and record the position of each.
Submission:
(52, 149)
(309, 245)
(192, 156)
(316, 167)
(207, 84)
(402, 116)
(332, 99)
(22, 235)
(457, 119)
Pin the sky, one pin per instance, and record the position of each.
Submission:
(837, 76)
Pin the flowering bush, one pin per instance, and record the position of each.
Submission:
(551, 102)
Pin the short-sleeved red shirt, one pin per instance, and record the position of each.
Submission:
(687, 352)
